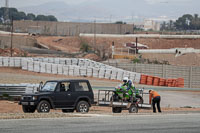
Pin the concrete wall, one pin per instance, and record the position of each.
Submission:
(71, 29)
(190, 74)
(18, 41)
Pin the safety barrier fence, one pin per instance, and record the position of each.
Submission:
(190, 74)
(17, 89)
(69, 66)
(157, 81)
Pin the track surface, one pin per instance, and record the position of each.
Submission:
(154, 123)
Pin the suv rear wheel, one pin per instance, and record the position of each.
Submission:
(43, 107)
(82, 107)
(28, 109)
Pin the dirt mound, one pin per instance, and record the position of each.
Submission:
(66, 44)
(15, 52)
(192, 59)
(92, 57)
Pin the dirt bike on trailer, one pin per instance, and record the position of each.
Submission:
(119, 99)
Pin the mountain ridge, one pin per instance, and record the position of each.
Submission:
(112, 10)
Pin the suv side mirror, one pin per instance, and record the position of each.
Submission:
(40, 86)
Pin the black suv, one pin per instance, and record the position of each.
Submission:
(68, 95)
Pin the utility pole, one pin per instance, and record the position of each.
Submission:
(113, 49)
(6, 3)
(95, 33)
(11, 41)
(136, 49)
(6, 19)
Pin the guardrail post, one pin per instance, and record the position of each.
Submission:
(190, 77)
(136, 67)
(163, 71)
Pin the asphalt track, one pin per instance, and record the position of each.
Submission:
(131, 123)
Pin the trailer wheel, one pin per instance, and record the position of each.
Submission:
(133, 109)
(116, 110)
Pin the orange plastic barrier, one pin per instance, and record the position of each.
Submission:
(150, 80)
(169, 82)
(180, 82)
(174, 83)
(162, 82)
(156, 81)
(143, 79)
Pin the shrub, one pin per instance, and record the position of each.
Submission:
(136, 60)
(85, 47)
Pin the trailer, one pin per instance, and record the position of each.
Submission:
(105, 98)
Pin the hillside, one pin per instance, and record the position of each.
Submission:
(73, 45)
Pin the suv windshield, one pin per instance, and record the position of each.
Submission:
(49, 86)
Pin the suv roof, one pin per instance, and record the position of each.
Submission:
(65, 80)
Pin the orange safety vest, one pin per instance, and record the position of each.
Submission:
(152, 94)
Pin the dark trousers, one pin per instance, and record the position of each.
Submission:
(156, 100)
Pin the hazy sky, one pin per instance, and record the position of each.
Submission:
(171, 9)
(22, 3)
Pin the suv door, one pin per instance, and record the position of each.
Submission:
(82, 89)
(63, 95)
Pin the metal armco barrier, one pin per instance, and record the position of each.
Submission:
(12, 90)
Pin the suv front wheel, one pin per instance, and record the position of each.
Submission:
(43, 107)
(82, 107)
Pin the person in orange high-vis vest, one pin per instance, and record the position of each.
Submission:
(155, 98)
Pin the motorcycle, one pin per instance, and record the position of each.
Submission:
(122, 94)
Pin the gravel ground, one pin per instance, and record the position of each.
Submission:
(172, 101)
(11, 110)
(36, 115)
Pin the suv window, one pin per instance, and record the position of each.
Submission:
(49, 86)
(81, 86)
(65, 86)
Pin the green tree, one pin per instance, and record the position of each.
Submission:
(184, 22)
(163, 26)
(1, 16)
(45, 18)
(120, 22)
(1, 13)
(171, 25)
(195, 22)
(30, 16)
(41, 18)
(167, 26)
(16, 15)
(22, 15)
(52, 18)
